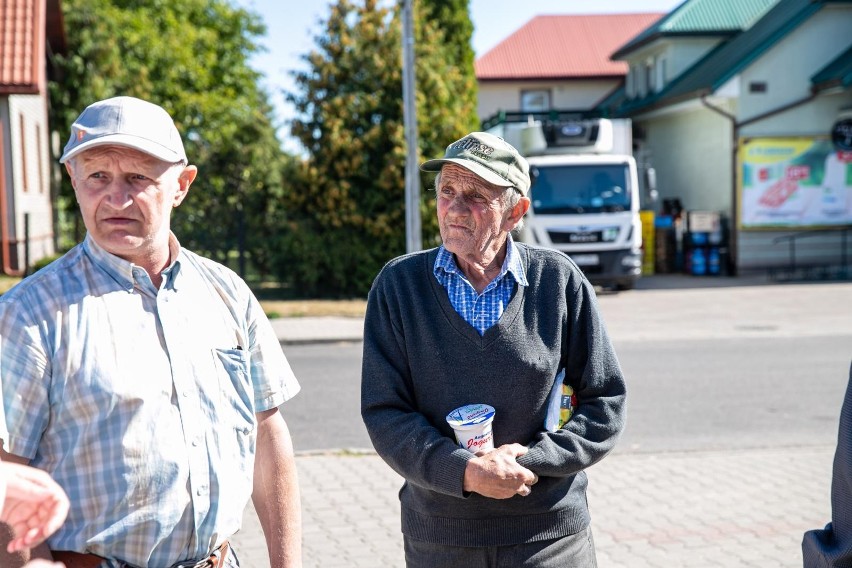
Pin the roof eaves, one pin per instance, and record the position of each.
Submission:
(808, 10)
(656, 102)
(539, 78)
(703, 77)
(668, 25)
(20, 89)
(649, 34)
(622, 52)
(838, 73)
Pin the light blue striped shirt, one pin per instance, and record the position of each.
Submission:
(480, 310)
(140, 402)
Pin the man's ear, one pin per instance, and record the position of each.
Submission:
(517, 213)
(185, 179)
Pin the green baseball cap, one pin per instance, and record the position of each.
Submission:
(488, 156)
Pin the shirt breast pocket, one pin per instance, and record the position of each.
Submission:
(232, 369)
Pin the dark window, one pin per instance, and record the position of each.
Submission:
(580, 189)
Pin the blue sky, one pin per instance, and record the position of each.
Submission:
(291, 26)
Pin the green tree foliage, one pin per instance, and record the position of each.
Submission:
(344, 208)
(190, 57)
(345, 202)
(447, 89)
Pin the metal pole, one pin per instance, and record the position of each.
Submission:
(413, 232)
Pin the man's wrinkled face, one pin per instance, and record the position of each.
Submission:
(472, 214)
(126, 198)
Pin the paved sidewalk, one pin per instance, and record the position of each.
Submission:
(696, 510)
(725, 509)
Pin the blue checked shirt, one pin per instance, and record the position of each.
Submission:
(480, 310)
(140, 402)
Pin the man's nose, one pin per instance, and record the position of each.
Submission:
(458, 204)
(119, 193)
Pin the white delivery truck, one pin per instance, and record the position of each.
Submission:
(585, 192)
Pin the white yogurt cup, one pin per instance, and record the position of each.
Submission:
(472, 425)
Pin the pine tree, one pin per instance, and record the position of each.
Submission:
(345, 207)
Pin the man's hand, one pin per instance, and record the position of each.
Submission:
(34, 507)
(498, 475)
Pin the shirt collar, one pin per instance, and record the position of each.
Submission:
(445, 264)
(126, 273)
(513, 263)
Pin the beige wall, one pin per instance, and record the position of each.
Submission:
(787, 68)
(691, 152)
(495, 96)
(34, 198)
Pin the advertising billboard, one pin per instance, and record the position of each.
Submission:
(794, 182)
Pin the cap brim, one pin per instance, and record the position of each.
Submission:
(151, 148)
(481, 171)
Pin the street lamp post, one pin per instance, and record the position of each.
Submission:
(413, 236)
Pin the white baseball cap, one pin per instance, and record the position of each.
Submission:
(126, 121)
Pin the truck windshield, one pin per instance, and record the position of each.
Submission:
(598, 188)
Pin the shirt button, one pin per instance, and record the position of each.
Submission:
(185, 394)
(195, 443)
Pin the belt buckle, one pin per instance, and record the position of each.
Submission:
(214, 560)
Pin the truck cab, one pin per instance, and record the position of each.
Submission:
(585, 194)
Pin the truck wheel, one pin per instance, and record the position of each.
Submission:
(625, 285)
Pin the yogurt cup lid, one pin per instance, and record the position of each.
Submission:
(470, 415)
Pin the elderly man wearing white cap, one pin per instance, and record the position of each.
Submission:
(144, 378)
(512, 329)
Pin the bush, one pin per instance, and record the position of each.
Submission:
(42, 262)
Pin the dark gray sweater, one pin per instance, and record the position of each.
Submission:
(422, 360)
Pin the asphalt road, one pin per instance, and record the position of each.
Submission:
(682, 395)
(733, 393)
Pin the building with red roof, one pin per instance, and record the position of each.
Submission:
(30, 30)
(560, 61)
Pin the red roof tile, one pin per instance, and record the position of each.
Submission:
(565, 46)
(21, 46)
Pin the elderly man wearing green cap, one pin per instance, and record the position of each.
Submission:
(144, 378)
(485, 320)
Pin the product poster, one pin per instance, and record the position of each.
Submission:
(794, 182)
